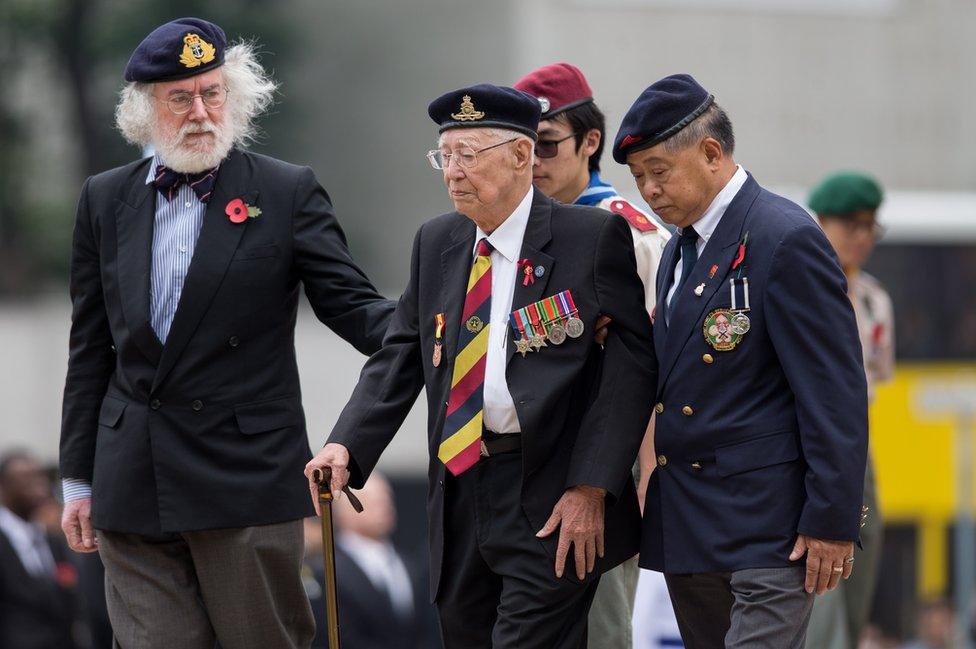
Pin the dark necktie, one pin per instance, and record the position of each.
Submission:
(168, 182)
(688, 255)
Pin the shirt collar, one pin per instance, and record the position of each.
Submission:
(706, 225)
(507, 237)
(15, 525)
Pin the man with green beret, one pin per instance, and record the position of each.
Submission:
(846, 204)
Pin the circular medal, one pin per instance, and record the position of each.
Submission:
(474, 324)
(718, 331)
(574, 327)
(741, 324)
(557, 334)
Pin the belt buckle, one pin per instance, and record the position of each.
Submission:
(484, 449)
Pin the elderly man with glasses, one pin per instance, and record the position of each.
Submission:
(183, 437)
(532, 427)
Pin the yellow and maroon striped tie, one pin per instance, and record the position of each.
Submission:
(460, 445)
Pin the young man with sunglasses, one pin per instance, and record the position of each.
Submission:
(567, 168)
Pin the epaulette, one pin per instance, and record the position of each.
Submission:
(632, 214)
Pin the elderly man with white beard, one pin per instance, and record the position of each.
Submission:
(183, 437)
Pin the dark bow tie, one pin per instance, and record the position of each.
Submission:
(168, 182)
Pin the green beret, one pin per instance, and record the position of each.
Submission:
(845, 192)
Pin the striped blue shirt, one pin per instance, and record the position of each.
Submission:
(175, 231)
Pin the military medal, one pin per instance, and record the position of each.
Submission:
(519, 319)
(438, 333)
(557, 334)
(538, 338)
(739, 288)
(574, 326)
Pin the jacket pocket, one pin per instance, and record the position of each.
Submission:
(768, 450)
(257, 252)
(111, 412)
(263, 416)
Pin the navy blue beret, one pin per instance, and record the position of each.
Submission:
(179, 49)
(666, 107)
(486, 105)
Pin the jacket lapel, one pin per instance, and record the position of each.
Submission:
(134, 218)
(689, 311)
(538, 233)
(663, 282)
(219, 238)
(456, 262)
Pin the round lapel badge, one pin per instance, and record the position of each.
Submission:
(474, 324)
(539, 271)
(718, 331)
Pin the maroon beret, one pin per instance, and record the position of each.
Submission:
(558, 87)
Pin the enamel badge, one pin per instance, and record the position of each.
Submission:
(196, 51)
(719, 332)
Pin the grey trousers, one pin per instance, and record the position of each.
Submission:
(758, 608)
(242, 587)
(613, 608)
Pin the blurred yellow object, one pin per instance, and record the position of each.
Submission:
(913, 442)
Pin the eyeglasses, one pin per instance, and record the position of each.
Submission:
(852, 227)
(549, 148)
(465, 156)
(182, 102)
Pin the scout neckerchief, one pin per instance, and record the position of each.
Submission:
(596, 191)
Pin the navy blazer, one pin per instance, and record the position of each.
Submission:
(769, 439)
(582, 410)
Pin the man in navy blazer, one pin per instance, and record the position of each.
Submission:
(761, 400)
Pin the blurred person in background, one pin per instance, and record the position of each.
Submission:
(38, 599)
(846, 204)
(381, 603)
(761, 428)
(531, 495)
(572, 134)
(183, 436)
(936, 628)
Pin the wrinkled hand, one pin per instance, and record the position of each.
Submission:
(332, 456)
(600, 335)
(77, 527)
(823, 556)
(579, 517)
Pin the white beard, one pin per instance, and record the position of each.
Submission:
(193, 157)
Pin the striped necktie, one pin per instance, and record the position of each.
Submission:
(460, 445)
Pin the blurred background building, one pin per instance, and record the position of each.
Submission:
(885, 86)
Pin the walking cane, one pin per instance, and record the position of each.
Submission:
(323, 477)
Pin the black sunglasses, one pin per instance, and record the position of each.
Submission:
(549, 148)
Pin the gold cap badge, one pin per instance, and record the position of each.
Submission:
(196, 51)
(468, 112)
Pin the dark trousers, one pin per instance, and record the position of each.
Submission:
(498, 585)
(757, 608)
(242, 587)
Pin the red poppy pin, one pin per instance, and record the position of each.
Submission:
(740, 255)
(66, 575)
(528, 271)
(238, 211)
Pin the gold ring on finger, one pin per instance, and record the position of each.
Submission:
(838, 569)
(849, 560)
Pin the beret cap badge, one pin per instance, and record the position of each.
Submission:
(196, 51)
(468, 112)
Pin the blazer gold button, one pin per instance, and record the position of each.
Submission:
(687, 411)
(659, 408)
(197, 405)
(662, 460)
(708, 359)
(696, 466)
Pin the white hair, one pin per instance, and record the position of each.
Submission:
(250, 91)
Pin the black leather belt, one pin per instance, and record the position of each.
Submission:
(497, 443)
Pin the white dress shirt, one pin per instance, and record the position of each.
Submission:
(499, 408)
(29, 542)
(705, 226)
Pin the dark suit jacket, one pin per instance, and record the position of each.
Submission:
(581, 423)
(778, 424)
(207, 431)
(36, 613)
